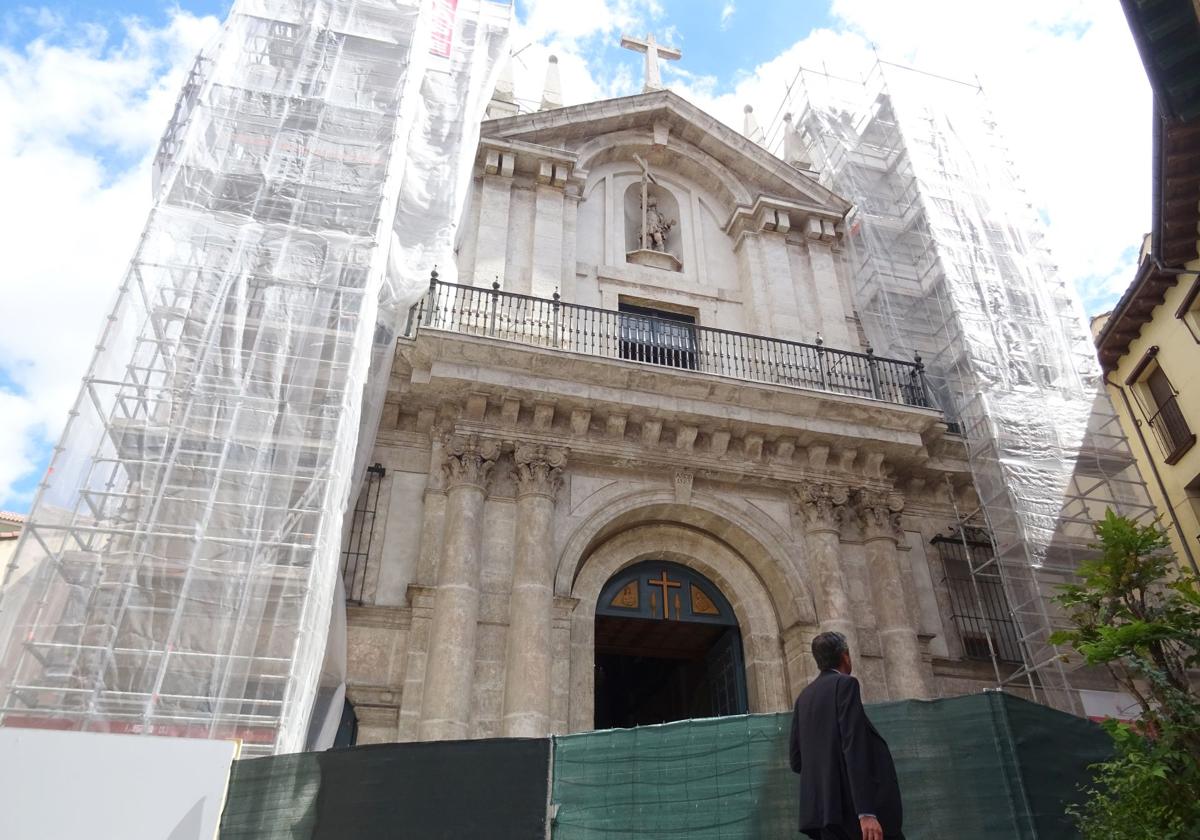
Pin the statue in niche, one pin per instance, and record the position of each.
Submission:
(655, 226)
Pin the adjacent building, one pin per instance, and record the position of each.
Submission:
(1149, 345)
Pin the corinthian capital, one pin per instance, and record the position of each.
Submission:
(469, 460)
(539, 469)
(822, 505)
(879, 514)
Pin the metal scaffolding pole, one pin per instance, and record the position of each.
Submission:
(178, 569)
(949, 262)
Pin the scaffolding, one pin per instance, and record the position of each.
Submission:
(178, 569)
(949, 261)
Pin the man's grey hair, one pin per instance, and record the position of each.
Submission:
(827, 649)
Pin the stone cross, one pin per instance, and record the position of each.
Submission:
(667, 585)
(653, 53)
(647, 179)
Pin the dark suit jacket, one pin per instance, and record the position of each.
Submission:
(845, 766)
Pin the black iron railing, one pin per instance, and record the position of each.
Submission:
(1172, 429)
(548, 322)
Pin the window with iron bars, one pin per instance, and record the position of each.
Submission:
(978, 603)
(356, 557)
(657, 337)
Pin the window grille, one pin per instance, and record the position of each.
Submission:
(977, 599)
(657, 337)
(356, 558)
(1166, 419)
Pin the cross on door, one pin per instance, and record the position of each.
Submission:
(667, 585)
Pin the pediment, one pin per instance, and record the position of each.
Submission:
(583, 134)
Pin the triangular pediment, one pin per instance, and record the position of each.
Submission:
(666, 116)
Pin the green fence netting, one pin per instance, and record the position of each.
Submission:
(983, 766)
(433, 791)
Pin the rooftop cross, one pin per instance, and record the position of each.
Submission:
(653, 53)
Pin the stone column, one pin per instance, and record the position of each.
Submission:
(823, 507)
(879, 514)
(446, 701)
(530, 658)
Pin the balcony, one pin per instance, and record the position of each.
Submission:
(643, 339)
(1171, 428)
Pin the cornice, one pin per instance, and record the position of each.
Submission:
(683, 118)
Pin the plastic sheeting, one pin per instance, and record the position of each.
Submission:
(950, 262)
(184, 546)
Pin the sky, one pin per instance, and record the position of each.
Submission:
(87, 88)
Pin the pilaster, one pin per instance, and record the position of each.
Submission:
(495, 194)
(785, 315)
(753, 266)
(821, 239)
(548, 230)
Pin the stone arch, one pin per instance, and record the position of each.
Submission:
(702, 168)
(766, 678)
(758, 539)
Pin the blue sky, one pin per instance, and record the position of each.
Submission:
(86, 89)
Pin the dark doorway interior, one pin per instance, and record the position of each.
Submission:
(655, 671)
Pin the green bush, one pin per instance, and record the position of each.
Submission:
(1137, 613)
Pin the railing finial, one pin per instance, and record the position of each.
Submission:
(917, 361)
(820, 340)
(496, 284)
(556, 296)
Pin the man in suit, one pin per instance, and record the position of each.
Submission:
(848, 785)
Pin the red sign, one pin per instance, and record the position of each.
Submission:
(443, 27)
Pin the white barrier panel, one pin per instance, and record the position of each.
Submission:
(72, 785)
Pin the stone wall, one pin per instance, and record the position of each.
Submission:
(759, 542)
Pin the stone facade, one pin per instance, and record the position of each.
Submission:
(520, 478)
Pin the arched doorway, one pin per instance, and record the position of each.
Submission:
(667, 648)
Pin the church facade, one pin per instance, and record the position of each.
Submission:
(640, 454)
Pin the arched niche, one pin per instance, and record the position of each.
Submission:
(663, 202)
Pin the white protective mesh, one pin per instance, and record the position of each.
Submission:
(949, 263)
(183, 551)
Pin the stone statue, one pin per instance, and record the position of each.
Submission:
(657, 226)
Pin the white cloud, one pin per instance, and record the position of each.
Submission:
(84, 110)
(578, 34)
(727, 12)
